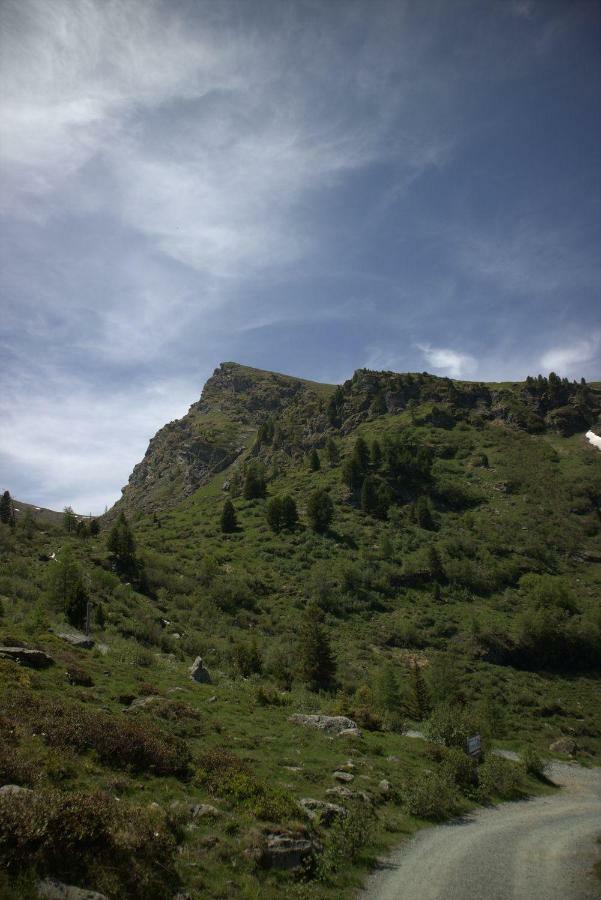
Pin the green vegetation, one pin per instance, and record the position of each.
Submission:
(439, 569)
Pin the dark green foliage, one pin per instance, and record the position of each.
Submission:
(423, 513)
(122, 545)
(225, 775)
(451, 725)
(229, 521)
(281, 513)
(420, 698)
(361, 453)
(352, 473)
(429, 796)
(94, 528)
(320, 510)
(376, 455)
(369, 496)
(247, 658)
(266, 432)
(345, 840)
(255, 486)
(67, 588)
(435, 566)
(314, 461)
(118, 742)
(317, 666)
(7, 513)
(88, 838)
(69, 520)
(332, 451)
(289, 512)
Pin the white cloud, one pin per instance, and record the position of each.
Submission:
(450, 362)
(571, 359)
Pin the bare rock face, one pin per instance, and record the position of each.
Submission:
(345, 777)
(33, 659)
(287, 851)
(50, 889)
(199, 672)
(321, 811)
(76, 639)
(564, 745)
(329, 724)
(14, 790)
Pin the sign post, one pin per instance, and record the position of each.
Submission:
(474, 746)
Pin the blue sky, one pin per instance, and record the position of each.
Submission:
(309, 186)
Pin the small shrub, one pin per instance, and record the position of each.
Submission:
(345, 840)
(498, 777)
(532, 762)
(89, 837)
(117, 741)
(429, 796)
(226, 775)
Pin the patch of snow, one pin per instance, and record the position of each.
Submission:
(594, 439)
(15, 509)
(38, 509)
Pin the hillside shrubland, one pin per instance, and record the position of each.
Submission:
(406, 551)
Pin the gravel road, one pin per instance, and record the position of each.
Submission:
(541, 849)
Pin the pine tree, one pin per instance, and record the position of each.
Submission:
(314, 461)
(361, 453)
(320, 510)
(254, 484)
(229, 521)
(94, 528)
(67, 588)
(289, 512)
(121, 543)
(69, 520)
(7, 513)
(420, 699)
(435, 565)
(376, 454)
(332, 451)
(352, 473)
(369, 496)
(316, 661)
(423, 513)
(274, 513)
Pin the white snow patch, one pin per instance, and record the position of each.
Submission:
(15, 509)
(594, 439)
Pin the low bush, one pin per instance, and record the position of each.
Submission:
(429, 796)
(345, 840)
(88, 839)
(226, 775)
(532, 762)
(498, 777)
(117, 741)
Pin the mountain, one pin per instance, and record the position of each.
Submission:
(442, 576)
(220, 430)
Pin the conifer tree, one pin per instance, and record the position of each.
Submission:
(229, 521)
(352, 473)
(69, 520)
(376, 454)
(254, 484)
(121, 543)
(435, 565)
(332, 451)
(420, 698)
(316, 661)
(289, 512)
(369, 496)
(67, 588)
(320, 510)
(361, 453)
(94, 528)
(314, 461)
(423, 513)
(7, 513)
(274, 513)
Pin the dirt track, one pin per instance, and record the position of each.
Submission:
(541, 849)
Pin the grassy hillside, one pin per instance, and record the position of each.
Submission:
(459, 592)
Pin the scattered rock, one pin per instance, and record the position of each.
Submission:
(321, 811)
(347, 794)
(329, 724)
(194, 810)
(50, 889)
(103, 649)
(141, 703)
(176, 690)
(287, 850)
(349, 732)
(346, 777)
(77, 639)
(176, 636)
(13, 790)
(212, 699)
(33, 659)
(564, 745)
(79, 677)
(199, 672)
(384, 787)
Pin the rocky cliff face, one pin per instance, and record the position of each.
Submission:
(245, 412)
(218, 429)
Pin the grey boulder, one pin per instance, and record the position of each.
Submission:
(329, 724)
(199, 672)
(33, 659)
(50, 889)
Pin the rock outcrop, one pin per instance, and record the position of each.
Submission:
(329, 724)
(33, 659)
